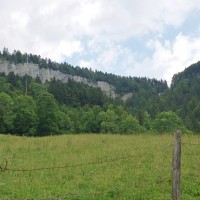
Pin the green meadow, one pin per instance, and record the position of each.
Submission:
(96, 167)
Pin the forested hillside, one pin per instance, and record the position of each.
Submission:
(30, 107)
(123, 85)
(185, 96)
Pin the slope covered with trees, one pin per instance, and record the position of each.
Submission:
(28, 107)
(123, 85)
(184, 96)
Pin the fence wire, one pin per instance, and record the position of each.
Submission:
(4, 167)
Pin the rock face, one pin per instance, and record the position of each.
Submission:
(127, 96)
(34, 71)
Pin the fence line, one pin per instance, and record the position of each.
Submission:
(5, 157)
(78, 195)
(185, 143)
(5, 168)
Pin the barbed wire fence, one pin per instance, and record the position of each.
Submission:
(4, 167)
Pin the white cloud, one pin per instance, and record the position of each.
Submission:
(88, 11)
(168, 58)
(121, 19)
(19, 19)
(108, 57)
(96, 30)
(63, 49)
(172, 57)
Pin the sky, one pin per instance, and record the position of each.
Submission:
(145, 38)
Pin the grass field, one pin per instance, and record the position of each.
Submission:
(96, 167)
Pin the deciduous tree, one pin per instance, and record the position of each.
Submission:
(6, 113)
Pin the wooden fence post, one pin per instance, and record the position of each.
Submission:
(176, 166)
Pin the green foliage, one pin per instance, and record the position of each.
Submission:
(123, 85)
(26, 120)
(90, 120)
(35, 89)
(185, 96)
(4, 85)
(76, 94)
(64, 122)
(147, 121)
(6, 113)
(131, 125)
(108, 122)
(46, 106)
(76, 107)
(167, 122)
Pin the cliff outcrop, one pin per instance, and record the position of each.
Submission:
(44, 74)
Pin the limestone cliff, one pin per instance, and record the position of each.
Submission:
(34, 71)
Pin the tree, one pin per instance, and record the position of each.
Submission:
(90, 121)
(18, 57)
(167, 122)
(35, 89)
(196, 114)
(6, 54)
(4, 86)
(147, 121)
(47, 112)
(64, 122)
(131, 125)
(6, 113)
(16, 82)
(26, 120)
(108, 122)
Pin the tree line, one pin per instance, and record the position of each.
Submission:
(50, 108)
(121, 83)
(76, 107)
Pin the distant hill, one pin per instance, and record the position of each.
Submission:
(112, 85)
(193, 71)
(185, 95)
(82, 98)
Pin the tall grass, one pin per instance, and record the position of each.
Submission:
(146, 175)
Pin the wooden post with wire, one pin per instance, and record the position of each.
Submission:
(176, 166)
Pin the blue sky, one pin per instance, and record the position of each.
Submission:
(152, 38)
